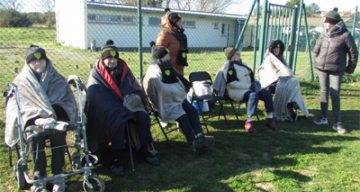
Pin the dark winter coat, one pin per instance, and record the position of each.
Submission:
(332, 49)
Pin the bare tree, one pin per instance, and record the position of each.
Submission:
(213, 6)
(12, 4)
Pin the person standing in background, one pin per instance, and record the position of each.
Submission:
(330, 59)
(173, 38)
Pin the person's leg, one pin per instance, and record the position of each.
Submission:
(185, 126)
(118, 150)
(58, 144)
(335, 86)
(193, 118)
(143, 124)
(324, 92)
(265, 95)
(37, 147)
(251, 100)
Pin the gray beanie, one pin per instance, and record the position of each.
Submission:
(332, 17)
(229, 52)
(34, 52)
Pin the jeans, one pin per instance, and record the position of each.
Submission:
(189, 123)
(330, 84)
(252, 98)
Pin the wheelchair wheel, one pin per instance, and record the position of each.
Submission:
(19, 170)
(93, 183)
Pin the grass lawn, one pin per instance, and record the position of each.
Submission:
(298, 157)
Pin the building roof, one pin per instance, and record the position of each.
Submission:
(161, 10)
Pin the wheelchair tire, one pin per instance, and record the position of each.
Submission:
(93, 183)
(19, 170)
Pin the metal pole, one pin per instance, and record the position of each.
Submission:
(297, 35)
(263, 30)
(245, 25)
(354, 22)
(140, 40)
(308, 42)
(256, 34)
(292, 37)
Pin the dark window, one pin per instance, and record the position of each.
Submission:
(222, 29)
(154, 21)
(188, 24)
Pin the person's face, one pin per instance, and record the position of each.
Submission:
(327, 25)
(236, 56)
(276, 51)
(179, 23)
(111, 62)
(37, 65)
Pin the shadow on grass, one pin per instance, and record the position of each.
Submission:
(235, 153)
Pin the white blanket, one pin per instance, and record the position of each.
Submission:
(36, 99)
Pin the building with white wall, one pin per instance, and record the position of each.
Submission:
(84, 21)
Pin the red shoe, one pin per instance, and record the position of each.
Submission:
(271, 123)
(249, 127)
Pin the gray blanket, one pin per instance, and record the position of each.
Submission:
(37, 98)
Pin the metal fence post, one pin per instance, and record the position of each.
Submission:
(263, 30)
(140, 40)
(308, 42)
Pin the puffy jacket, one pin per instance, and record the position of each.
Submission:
(331, 49)
(167, 39)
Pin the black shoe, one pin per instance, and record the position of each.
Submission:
(116, 168)
(291, 109)
(153, 160)
(201, 145)
(149, 155)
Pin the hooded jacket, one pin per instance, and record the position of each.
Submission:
(332, 48)
(175, 40)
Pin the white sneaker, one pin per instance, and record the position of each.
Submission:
(163, 124)
(321, 121)
(339, 127)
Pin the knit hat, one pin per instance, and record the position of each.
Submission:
(109, 42)
(34, 52)
(332, 17)
(229, 52)
(277, 43)
(109, 51)
(158, 52)
(174, 18)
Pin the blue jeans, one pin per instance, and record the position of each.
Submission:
(252, 98)
(189, 123)
(142, 122)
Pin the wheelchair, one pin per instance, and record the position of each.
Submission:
(81, 160)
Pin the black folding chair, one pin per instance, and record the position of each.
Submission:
(211, 97)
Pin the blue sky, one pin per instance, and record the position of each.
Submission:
(243, 6)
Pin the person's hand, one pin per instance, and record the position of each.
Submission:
(46, 123)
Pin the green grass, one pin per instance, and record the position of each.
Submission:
(298, 157)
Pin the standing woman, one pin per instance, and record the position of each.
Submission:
(330, 59)
(172, 37)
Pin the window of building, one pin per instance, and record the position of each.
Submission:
(216, 25)
(112, 19)
(188, 24)
(223, 29)
(154, 21)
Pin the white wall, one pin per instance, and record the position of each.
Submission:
(204, 35)
(71, 22)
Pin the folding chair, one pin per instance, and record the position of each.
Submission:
(204, 78)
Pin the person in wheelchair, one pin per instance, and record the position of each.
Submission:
(241, 86)
(167, 91)
(45, 98)
(276, 76)
(114, 101)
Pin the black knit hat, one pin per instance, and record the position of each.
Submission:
(34, 52)
(158, 52)
(173, 18)
(109, 51)
(229, 52)
(277, 43)
(332, 17)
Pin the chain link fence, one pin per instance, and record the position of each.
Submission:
(73, 35)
